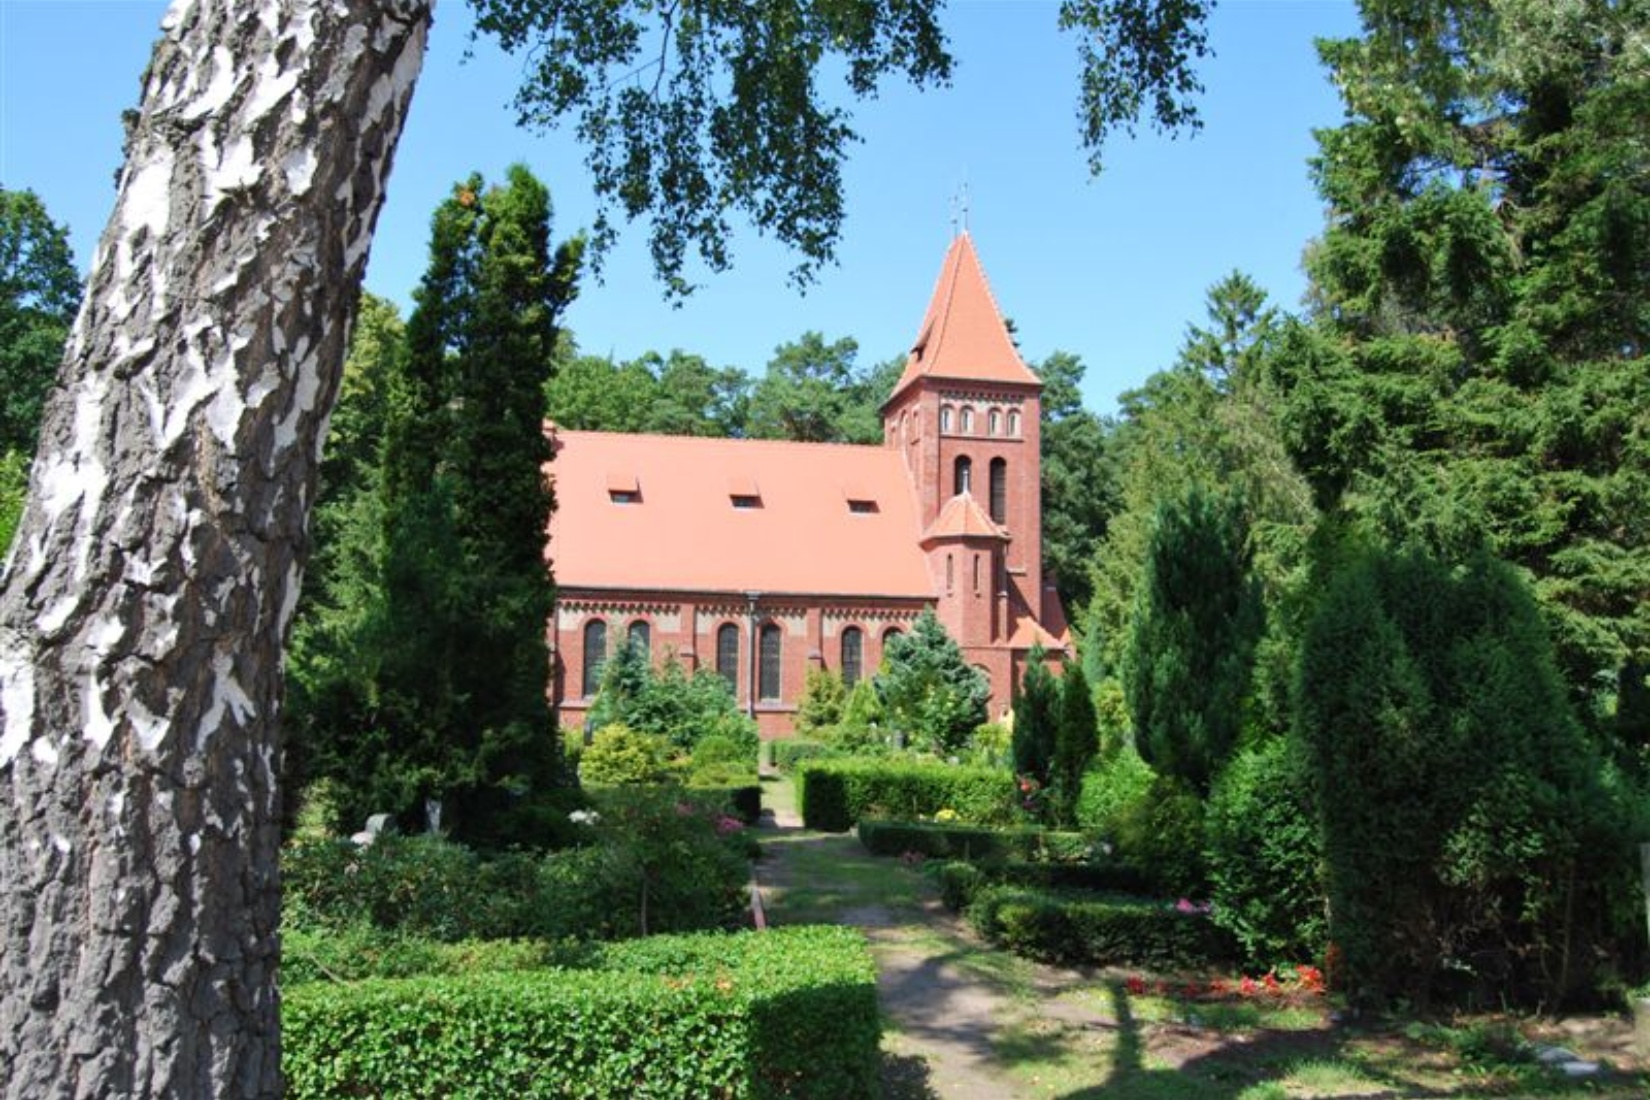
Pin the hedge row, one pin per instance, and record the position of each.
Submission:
(792, 753)
(790, 1012)
(960, 881)
(834, 794)
(1072, 930)
(743, 801)
(973, 842)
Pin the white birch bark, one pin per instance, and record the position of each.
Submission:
(153, 578)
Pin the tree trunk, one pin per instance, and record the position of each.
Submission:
(153, 578)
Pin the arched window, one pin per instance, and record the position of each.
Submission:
(727, 655)
(999, 490)
(967, 420)
(853, 647)
(950, 574)
(945, 418)
(595, 654)
(888, 636)
(1014, 422)
(976, 574)
(962, 475)
(767, 676)
(640, 637)
(993, 422)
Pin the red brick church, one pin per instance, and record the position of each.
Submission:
(762, 560)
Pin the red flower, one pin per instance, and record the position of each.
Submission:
(1310, 978)
(1270, 981)
(1136, 986)
(1247, 986)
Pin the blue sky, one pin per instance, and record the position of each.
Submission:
(1111, 268)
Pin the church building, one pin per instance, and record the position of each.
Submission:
(762, 560)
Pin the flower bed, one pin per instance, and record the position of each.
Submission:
(791, 1012)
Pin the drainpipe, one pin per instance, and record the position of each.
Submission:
(751, 686)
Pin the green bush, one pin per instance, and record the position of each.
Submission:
(972, 842)
(959, 880)
(733, 788)
(791, 754)
(1162, 838)
(659, 860)
(790, 1012)
(1113, 790)
(834, 794)
(1265, 854)
(621, 756)
(417, 885)
(1075, 930)
(361, 951)
(714, 749)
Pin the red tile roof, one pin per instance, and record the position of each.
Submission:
(963, 335)
(685, 534)
(962, 517)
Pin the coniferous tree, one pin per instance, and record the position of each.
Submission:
(1076, 743)
(1190, 659)
(823, 697)
(1036, 719)
(928, 691)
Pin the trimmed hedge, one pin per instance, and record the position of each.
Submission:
(834, 794)
(959, 880)
(972, 842)
(1050, 927)
(791, 754)
(744, 801)
(790, 1012)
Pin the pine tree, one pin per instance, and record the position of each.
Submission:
(929, 692)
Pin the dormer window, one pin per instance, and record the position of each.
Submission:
(862, 507)
(861, 501)
(743, 493)
(623, 488)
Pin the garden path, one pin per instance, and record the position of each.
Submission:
(964, 1022)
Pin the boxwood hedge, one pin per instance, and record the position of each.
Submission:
(790, 1012)
(1071, 929)
(834, 794)
(793, 752)
(972, 842)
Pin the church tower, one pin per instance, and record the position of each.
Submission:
(966, 417)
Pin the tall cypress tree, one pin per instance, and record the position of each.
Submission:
(1036, 706)
(1076, 741)
(1191, 652)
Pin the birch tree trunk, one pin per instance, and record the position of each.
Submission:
(153, 578)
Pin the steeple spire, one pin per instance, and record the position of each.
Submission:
(963, 336)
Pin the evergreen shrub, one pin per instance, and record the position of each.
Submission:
(1265, 852)
(790, 754)
(618, 756)
(959, 880)
(789, 1012)
(1086, 930)
(834, 794)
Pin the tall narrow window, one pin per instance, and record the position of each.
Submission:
(595, 653)
(999, 490)
(1013, 422)
(640, 637)
(967, 420)
(889, 635)
(976, 574)
(993, 422)
(767, 676)
(727, 656)
(945, 418)
(853, 654)
(950, 574)
(962, 472)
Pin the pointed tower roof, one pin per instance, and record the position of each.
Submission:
(963, 336)
(962, 518)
